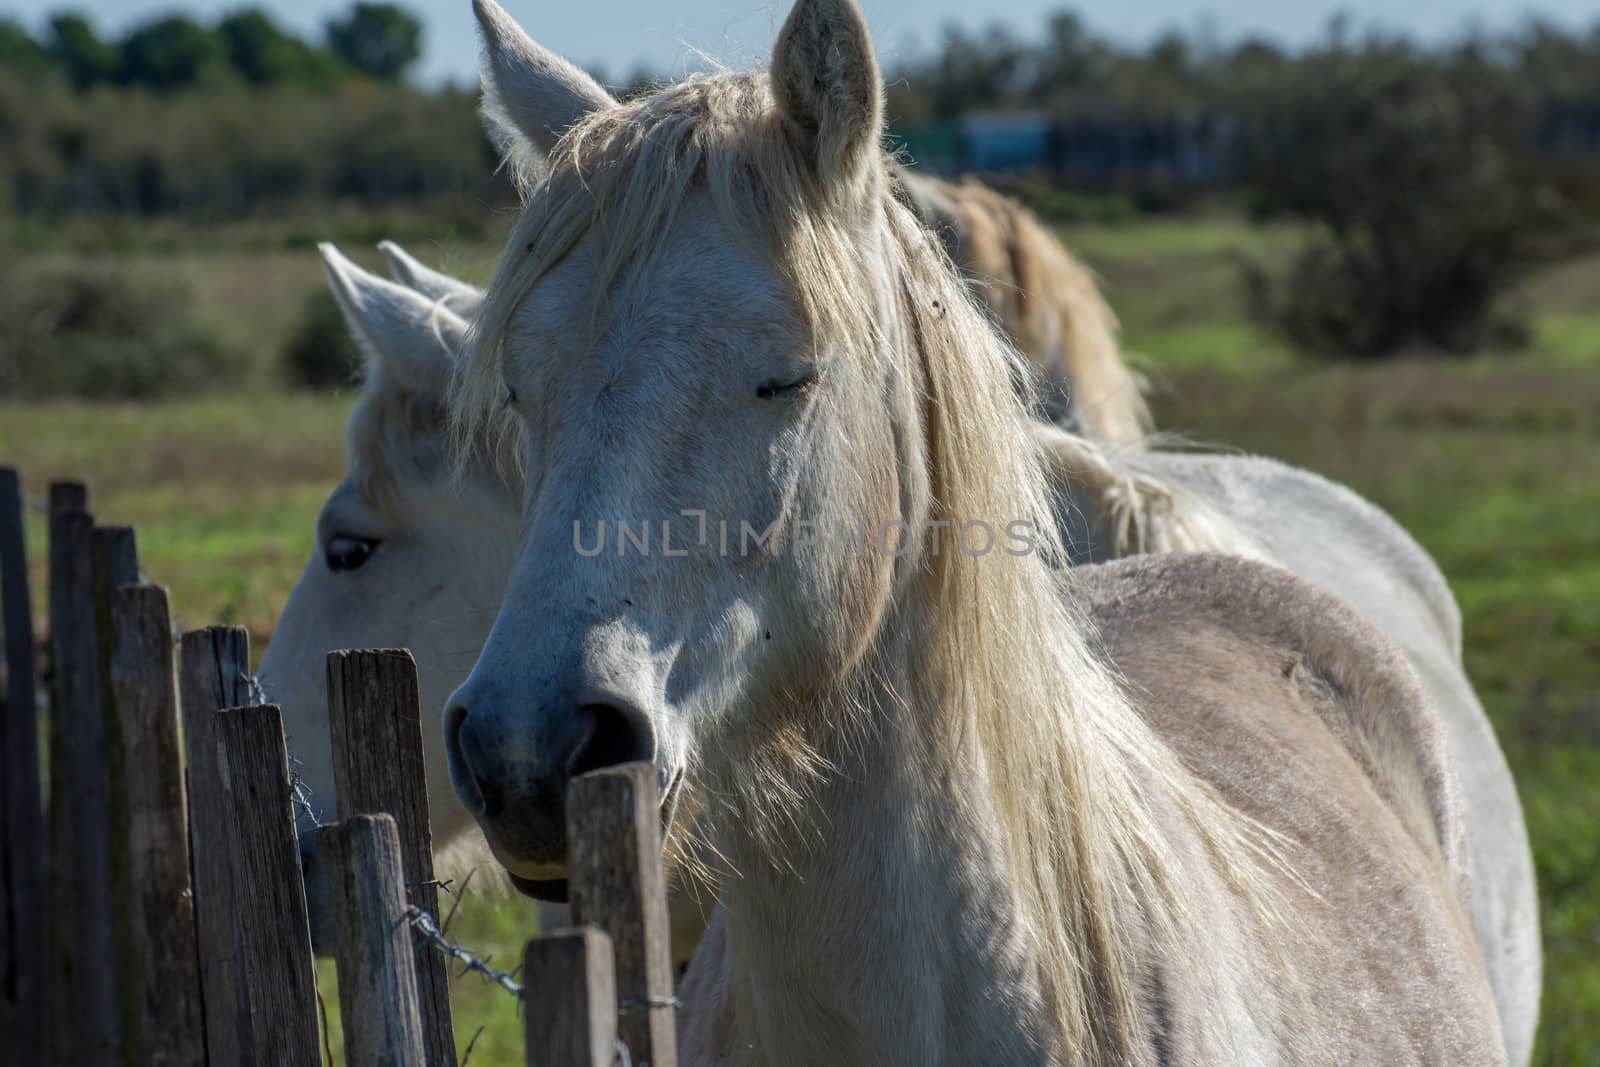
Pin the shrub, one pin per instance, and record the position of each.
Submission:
(1409, 167)
(320, 353)
(102, 334)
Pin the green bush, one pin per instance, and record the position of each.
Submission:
(320, 353)
(1411, 169)
(102, 334)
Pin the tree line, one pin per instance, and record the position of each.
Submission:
(174, 52)
(1428, 176)
(1067, 68)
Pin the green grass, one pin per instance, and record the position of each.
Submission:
(222, 492)
(1493, 463)
(1175, 235)
(1568, 337)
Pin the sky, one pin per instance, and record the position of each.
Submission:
(619, 36)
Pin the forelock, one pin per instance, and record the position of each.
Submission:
(627, 172)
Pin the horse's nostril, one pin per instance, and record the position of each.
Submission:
(615, 736)
(467, 764)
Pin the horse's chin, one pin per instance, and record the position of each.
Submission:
(549, 890)
(541, 881)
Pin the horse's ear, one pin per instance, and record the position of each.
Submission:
(406, 339)
(410, 272)
(826, 82)
(531, 96)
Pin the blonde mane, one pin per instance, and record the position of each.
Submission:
(1139, 513)
(998, 653)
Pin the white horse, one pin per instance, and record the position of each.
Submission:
(975, 806)
(1107, 506)
(409, 555)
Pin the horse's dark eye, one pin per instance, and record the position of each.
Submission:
(511, 397)
(347, 553)
(775, 390)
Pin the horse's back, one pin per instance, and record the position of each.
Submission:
(1312, 723)
(1327, 534)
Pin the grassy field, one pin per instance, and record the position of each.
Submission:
(1494, 464)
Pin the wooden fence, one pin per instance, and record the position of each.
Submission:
(152, 909)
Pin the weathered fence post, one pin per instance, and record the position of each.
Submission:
(213, 676)
(250, 770)
(569, 1003)
(163, 983)
(116, 563)
(84, 1025)
(616, 883)
(376, 724)
(213, 673)
(22, 885)
(373, 943)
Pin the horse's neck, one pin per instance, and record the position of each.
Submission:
(865, 943)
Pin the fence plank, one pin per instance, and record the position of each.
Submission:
(376, 723)
(616, 883)
(164, 984)
(569, 1008)
(212, 675)
(116, 563)
(22, 886)
(251, 771)
(62, 966)
(68, 496)
(84, 1021)
(373, 943)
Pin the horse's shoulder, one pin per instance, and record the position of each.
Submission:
(1243, 636)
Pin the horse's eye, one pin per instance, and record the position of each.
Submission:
(777, 390)
(511, 397)
(347, 553)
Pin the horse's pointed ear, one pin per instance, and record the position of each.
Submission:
(531, 96)
(407, 339)
(410, 272)
(826, 82)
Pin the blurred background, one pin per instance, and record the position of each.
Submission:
(1365, 242)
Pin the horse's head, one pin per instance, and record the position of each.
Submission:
(408, 553)
(697, 329)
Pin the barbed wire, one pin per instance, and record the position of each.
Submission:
(300, 794)
(252, 684)
(424, 925)
(434, 938)
(627, 1004)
